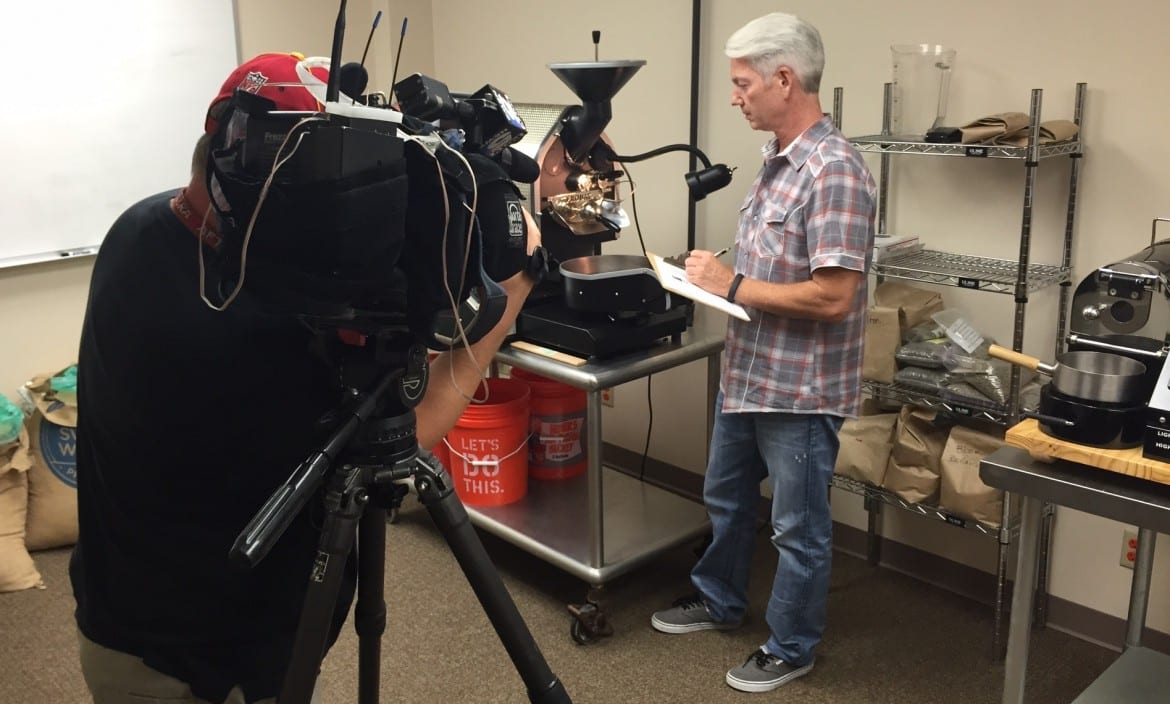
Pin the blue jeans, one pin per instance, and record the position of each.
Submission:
(796, 454)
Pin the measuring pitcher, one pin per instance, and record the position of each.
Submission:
(922, 78)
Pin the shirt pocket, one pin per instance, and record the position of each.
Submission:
(775, 220)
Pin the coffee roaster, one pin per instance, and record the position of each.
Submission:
(1123, 308)
(594, 304)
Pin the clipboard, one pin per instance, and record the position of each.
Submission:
(674, 279)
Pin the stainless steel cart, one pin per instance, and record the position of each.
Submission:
(602, 523)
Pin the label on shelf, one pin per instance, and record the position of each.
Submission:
(955, 520)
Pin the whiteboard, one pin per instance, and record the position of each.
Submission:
(105, 101)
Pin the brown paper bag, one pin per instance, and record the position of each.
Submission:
(52, 480)
(962, 492)
(883, 335)
(913, 470)
(917, 304)
(865, 447)
(17, 569)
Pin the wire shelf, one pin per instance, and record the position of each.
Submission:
(907, 144)
(875, 493)
(966, 271)
(968, 408)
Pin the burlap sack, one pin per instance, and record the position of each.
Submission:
(883, 336)
(962, 492)
(17, 569)
(917, 304)
(866, 443)
(52, 480)
(913, 470)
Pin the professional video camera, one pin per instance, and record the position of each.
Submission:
(365, 219)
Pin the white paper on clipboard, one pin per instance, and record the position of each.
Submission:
(674, 279)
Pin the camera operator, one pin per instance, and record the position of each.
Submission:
(188, 419)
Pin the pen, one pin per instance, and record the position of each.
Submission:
(723, 251)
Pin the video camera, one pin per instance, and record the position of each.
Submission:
(361, 218)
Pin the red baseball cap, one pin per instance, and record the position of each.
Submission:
(287, 79)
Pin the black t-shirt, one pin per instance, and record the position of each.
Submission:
(189, 419)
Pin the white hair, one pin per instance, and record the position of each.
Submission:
(780, 39)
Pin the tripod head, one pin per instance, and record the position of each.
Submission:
(375, 425)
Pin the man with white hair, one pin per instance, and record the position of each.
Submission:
(792, 373)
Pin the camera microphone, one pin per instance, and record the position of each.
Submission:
(520, 166)
(353, 79)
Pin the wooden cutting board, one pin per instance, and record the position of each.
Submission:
(1027, 435)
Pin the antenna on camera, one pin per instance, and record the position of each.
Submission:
(377, 18)
(397, 58)
(333, 88)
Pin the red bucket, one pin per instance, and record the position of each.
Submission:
(440, 452)
(486, 454)
(556, 447)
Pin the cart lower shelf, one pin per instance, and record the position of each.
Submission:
(640, 521)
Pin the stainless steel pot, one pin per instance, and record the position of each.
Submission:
(1088, 376)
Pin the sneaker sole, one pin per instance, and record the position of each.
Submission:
(746, 686)
(675, 628)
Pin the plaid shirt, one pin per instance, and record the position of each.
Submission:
(811, 206)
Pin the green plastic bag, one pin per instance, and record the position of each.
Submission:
(11, 418)
(66, 380)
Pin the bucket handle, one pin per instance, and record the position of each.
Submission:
(487, 463)
(558, 438)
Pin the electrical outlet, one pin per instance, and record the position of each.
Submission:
(607, 397)
(1129, 546)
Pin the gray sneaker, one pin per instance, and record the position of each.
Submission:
(762, 672)
(687, 615)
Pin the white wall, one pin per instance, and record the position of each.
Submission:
(1004, 50)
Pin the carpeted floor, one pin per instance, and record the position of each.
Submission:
(890, 638)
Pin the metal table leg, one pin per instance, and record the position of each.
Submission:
(1004, 540)
(1139, 591)
(1040, 613)
(1020, 627)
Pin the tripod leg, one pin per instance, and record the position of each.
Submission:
(370, 611)
(453, 522)
(344, 504)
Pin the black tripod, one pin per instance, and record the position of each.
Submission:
(378, 452)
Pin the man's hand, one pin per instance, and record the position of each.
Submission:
(708, 273)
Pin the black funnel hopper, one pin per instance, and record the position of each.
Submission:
(595, 83)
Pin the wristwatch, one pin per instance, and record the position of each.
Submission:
(538, 263)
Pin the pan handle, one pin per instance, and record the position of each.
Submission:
(1020, 359)
(1075, 339)
(1051, 420)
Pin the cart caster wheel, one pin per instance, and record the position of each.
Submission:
(579, 634)
(589, 623)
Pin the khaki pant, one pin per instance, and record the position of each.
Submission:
(114, 677)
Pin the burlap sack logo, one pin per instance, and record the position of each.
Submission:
(58, 446)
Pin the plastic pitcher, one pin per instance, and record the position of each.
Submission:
(922, 78)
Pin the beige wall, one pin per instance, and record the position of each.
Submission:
(307, 27)
(1004, 51)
